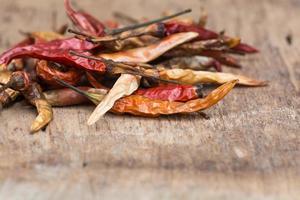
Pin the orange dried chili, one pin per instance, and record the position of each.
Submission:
(46, 71)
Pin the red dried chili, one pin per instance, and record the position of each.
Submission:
(176, 27)
(56, 51)
(84, 21)
(221, 57)
(204, 34)
(170, 92)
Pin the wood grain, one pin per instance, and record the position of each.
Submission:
(249, 149)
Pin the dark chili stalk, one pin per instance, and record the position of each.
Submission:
(136, 26)
(78, 32)
(65, 84)
(68, 97)
(92, 97)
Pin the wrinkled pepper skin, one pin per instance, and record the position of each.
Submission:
(59, 56)
(56, 51)
(170, 92)
(45, 115)
(47, 73)
(175, 27)
(33, 93)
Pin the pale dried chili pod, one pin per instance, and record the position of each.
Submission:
(188, 76)
(44, 117)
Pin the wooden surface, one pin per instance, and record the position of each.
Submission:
(249, 149)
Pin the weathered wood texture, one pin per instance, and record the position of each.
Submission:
(249, 149)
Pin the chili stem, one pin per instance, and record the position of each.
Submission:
(136, 26)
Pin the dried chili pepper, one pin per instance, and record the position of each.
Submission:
(222, 58)
(194, 62)
(124, 86)
(84, 21)
(45, 115)
(170, 92)
(143, 106)
(59, 54)
(204, 34)
(193, 49)
(30, 43)
(46, 71)
(175, 27)
(195, 77)
(21, 81)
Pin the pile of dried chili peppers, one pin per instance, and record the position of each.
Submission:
(143, 68)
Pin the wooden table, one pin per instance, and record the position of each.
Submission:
(249, 149)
